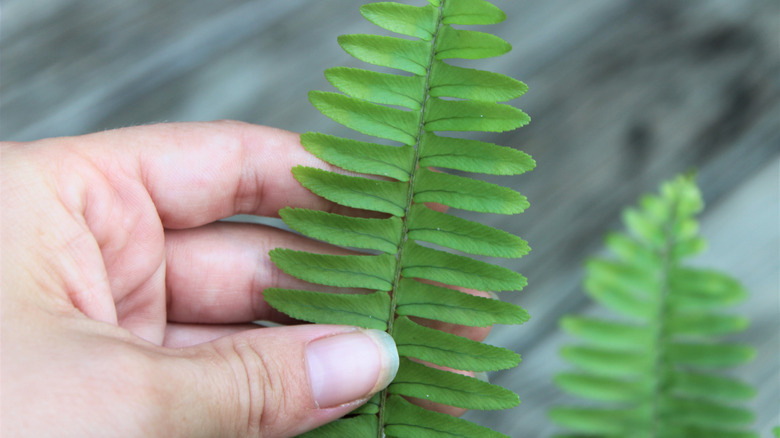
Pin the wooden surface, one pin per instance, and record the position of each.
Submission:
(623, 94)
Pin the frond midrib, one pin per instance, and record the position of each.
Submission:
(409, 202)
(661, 336)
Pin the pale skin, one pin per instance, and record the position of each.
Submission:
(126, 309)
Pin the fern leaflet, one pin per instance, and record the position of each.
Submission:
(653, 368)
(413, 246)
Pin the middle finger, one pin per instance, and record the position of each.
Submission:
(216, 274)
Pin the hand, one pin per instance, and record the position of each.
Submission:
(126, 309)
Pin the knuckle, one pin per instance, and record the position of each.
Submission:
(259, 384)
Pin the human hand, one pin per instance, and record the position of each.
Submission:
(126, 309)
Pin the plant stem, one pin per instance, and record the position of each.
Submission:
(661, 336)
(409, 202)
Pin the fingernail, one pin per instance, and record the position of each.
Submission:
(350, 366)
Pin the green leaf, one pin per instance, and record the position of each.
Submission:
(472, 12)
(467, 115)
(607, 363)
(463, 235)
(404, 419)
(709, 432)
(618, 299)
(632, 251)
(352, 191)
(423, 300)
(370, 407)
(357, 156)
(711, 355)
(646, 229)
(610, 422)
(685, 229)
(369, 272)
(402, 54)
(445, 349)
(609, 334)
(603, 388)
(467, 194)
(368, 311)
(688, 247)
(693, 288)
(361, 425)
(378, 87)
(409, 20)
(465, 83)
(430, 264)
(472, 156)
(622, 286)
(656, 209)
(376, 234)
(704, 324)
(417, 380)
(706, 414)
(623, 275)
(368, 118)
(468, 44)
(683, 192)
(710, 386)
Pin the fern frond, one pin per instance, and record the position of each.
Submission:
(650, 370)
(412, 109)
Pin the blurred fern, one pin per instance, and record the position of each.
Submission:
(410, 247)
(651, 370)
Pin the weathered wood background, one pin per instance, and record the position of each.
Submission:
(624, 94)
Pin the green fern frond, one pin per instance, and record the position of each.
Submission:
(414, 245)
(651, 371)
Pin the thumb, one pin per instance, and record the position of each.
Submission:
(279, 382)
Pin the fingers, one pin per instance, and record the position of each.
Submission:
(216, 275)
(196, 173)
(199, 172)
(187, 335)
(278, 382)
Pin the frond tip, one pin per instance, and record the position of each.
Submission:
(420, 259)
(650, 369)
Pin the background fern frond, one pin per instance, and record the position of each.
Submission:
(397, 181)
(650, 370)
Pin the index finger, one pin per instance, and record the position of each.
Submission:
(199, 172)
